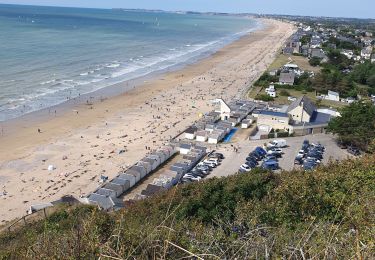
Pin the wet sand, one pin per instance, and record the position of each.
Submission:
(85, 140)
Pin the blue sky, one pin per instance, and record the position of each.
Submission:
(341, 8)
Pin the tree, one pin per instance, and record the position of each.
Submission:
(371, 81)
(356, 124)
(264, 97)
(315, 61)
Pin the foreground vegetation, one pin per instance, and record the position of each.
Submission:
(328, 213)
(356, 126)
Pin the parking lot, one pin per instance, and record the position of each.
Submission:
(233, 160)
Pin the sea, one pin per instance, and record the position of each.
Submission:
(51, 54)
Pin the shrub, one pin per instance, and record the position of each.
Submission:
(284, 93)
(264, 97)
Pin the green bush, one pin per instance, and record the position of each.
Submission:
(325, 212)
(284, 93)
(264, 97)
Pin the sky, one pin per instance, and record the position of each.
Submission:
(333, 8)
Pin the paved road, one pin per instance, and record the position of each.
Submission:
(233, 160)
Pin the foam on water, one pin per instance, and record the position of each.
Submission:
(85, 52)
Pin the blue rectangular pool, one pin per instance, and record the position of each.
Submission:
(229, 136)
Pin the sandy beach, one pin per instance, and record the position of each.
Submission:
(90, 139)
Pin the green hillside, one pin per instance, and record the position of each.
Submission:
(328, 213)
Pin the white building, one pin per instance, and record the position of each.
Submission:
(333, 96)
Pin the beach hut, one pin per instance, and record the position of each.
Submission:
(136, 175)
(106, 192)
(162, 156)
(214, 138)
(209, 127)
(118, 189)
(140, 169)
(156, 157)
(185, 148)
(128, 177)
(152, 161)
(201, 136)
(146, 165)
(190, 133)
(245, 123)
(106, 203)
(125, 184)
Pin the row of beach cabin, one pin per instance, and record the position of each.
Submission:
(170, 177)
(107, 195)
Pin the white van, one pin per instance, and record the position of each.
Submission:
(279, 143)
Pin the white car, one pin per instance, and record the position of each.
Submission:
(210, 161)
(191, 177)
(245, 168)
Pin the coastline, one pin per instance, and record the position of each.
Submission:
(89, 138)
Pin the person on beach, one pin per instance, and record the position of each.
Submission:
(39, 131)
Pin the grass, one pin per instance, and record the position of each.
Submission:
(322, 214)
(301, 61)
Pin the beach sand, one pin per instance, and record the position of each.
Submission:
(84, 141)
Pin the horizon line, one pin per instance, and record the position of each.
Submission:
(200, 12)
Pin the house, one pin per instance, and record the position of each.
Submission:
(318, 53)
(268, 120)
(287, 78)
(349, 100)
(301, 110)
(373, 58)
(366, 53)
(271, 91)
(333, 96)
(224, 109)
(348, 53)
(288, 50)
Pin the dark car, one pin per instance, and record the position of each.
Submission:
(251, 164)
(270, 158)
(261, 151)
(354, 151)
(270, 166)
(256, 155)
(252, 159)
(298, 160)
(219, 155)
(305, 145)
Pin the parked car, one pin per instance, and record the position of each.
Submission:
(270, 165)
(298, 160)
(275, 149)
(305, 145)
(252, 159)
(280, 143)
(245, 167)
(251, 164)
(219, 155)
(212, 160)
(274, 153)
(210, 164)
(270, 158)
(192, 177)
(354, 150)
(256, 155)
(260, 150)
